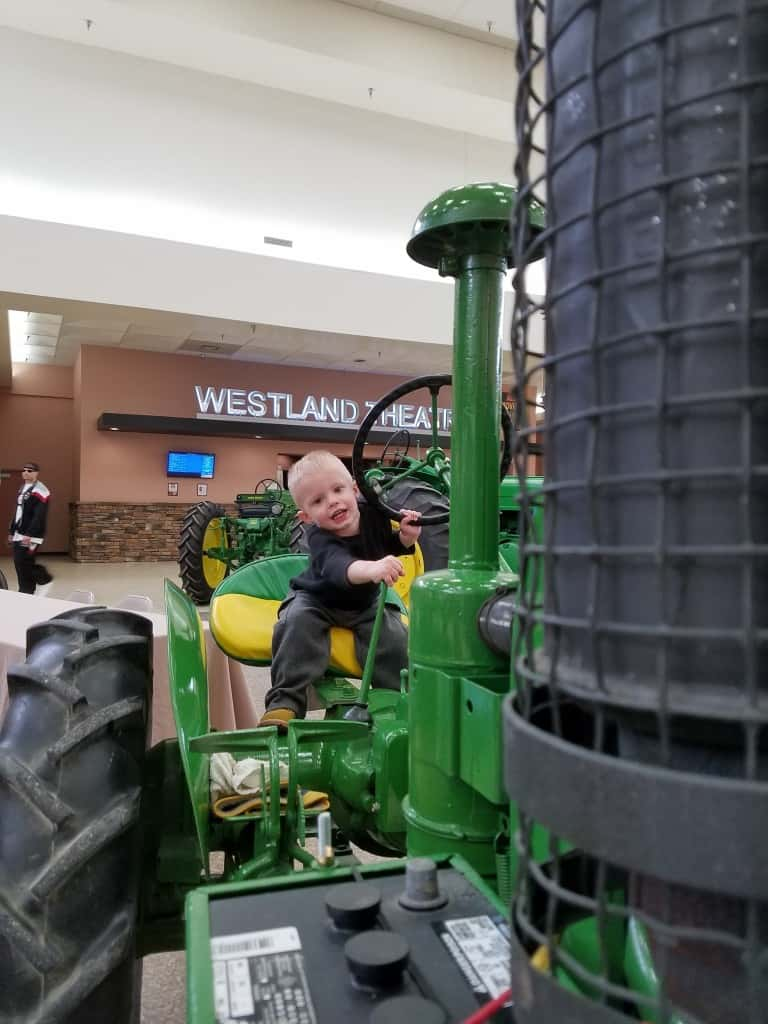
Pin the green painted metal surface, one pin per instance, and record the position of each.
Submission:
(640, 972)
(465, 219)
(474, 529)
(455, 798)
(268, 578)
(189, 700)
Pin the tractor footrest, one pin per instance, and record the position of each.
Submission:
(336, 691)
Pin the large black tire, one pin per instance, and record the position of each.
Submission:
(298, 539)
(71, 763)
(420, 497)
(3, 581)
(192, 567)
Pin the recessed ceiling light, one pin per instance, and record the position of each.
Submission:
(114, 428)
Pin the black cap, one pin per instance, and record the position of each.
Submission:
(33, 466)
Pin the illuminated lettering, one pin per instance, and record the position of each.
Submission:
(256, 404)
(329, 410)
(310, 409)
(405, 415)
(350, 411)
(236, 402)
(279, 406)
(277, 397)
(422, 418)
(389, 417)
(210, 398)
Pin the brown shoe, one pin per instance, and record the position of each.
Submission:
(279, 717)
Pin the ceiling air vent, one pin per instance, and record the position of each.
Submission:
(286, 242)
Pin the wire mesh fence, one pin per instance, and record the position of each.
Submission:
(638, 737)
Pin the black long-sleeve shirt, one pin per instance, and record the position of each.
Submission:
(330, 556)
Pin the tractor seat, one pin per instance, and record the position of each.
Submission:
(244, 610)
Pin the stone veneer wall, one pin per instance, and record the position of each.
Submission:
(116, 532)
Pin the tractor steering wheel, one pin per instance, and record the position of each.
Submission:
(399, 443)
(375, 490)
(266, 485)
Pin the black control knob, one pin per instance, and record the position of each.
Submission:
(377, 959)
(353, 906)
(408, 1010)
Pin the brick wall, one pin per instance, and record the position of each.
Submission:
(116, 532)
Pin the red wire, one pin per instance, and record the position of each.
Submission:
(488, 1009)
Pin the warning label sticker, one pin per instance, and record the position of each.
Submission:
(481, 952)
(259, 978)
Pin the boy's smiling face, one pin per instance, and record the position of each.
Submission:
(328, 498)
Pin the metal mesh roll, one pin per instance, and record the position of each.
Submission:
(643, 127)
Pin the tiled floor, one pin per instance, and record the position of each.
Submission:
(164, 975)
(107, 581)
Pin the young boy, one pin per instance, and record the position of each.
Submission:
(352, 548)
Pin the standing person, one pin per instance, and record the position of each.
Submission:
(352, 548)
(27, 529)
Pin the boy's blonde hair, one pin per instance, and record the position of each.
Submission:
(313, 462)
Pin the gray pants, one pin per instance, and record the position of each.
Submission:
(301, 648)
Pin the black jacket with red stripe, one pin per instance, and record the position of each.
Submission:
(34, 511)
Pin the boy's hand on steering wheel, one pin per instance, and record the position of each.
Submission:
(410, 531)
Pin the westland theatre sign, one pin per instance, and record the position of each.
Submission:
(281, 407)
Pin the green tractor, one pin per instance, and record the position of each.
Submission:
(212, 543)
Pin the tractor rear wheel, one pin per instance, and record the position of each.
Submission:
(298, 539)
(202, 528)
(422, 498)
(71, 770)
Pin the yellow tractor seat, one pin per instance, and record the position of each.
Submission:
(244, 610)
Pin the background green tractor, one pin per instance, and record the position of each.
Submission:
(212, 543)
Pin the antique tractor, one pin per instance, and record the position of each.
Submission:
(212, 543)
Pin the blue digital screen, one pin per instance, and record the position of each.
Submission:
(199, 464)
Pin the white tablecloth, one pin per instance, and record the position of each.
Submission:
(231, 705)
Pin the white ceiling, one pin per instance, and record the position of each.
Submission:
(419, 71)
(493, 21)
(55, 338)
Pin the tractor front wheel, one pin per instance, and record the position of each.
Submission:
(72, 750)
(202, 529)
